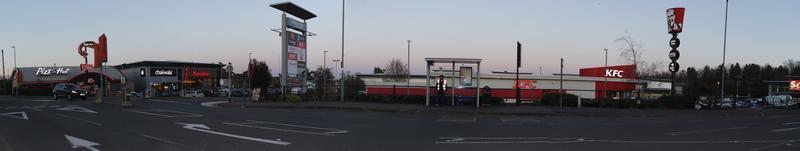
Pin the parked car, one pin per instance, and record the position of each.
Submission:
(221, 91)
(69, 91)
(780, 100)
(169, 94)
(240, 92)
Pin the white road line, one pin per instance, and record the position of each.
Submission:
(790, 123)
(785, 129)
(212, 104)
(76, 109)
(167, 101)
(206, 129)
(547, 140)
(31, 108)
(705, 131)
(42, 100)
(79, 119)
(251, 124)
(81, 143)
(19, 115)
(186, 114)
(166, 141)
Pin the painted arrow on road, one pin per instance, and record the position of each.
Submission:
(76, 109)
(19, 115)
(78, 143)
(204, 128)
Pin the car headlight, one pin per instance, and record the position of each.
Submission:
(73, 91)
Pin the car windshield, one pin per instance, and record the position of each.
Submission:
(71, 86)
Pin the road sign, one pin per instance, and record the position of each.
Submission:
(674, 42)
(674, 55)
(674, 67)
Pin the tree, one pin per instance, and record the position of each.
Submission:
(261, 76)
(631, 51)
(692, 83)
(395, 71)
(322, 76)
(793, 66)
(353, 85)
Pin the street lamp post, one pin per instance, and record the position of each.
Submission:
(324, 75)
(336, 61)
(249, 71)
(724, 45)
(605, 78)
(342, 59)
(3, 54)
(230, 83)
(15, 65)
(408, 69)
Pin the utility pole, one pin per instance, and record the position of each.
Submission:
(325, 72)
(516, 81)
(408, 69)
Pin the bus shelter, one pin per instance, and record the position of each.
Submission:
(453, 61)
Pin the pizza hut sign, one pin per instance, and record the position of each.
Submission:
(51, 71)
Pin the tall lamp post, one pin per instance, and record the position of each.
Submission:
(605, 78)
(15, 65)
(342, 59)
(336, 61)
(249, 72)
(408, 69)
(324, 75)
(724, 45)
(3, 54)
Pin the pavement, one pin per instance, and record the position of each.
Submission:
(40, 123)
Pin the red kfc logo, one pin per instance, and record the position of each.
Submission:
(525, 84)
(675, 19)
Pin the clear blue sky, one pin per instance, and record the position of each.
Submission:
(48, 32)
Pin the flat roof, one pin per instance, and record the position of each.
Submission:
(168, 63)
(294, 10)
(455, 60)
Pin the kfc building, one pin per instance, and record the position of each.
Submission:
(612, 82)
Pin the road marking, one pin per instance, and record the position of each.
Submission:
(204, 128)
(212, 104)
(785, 129)
(548, 140)
(451, 118)
(30, 108)
(519, 119)
(42, 100)
(167, 101)
(79, 119)
(328, 131)
(78, 143)
(19, 115)
(705, 131)
(76, 109)
(150, 112)
(167, 141)
(790, 123)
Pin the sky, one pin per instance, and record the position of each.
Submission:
(47, 32)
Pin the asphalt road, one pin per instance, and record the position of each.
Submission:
(39, 123)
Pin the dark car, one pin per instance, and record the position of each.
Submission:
(69, 91)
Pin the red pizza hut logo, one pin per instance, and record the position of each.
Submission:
(794, 85)
(525, 84)
(675, 19)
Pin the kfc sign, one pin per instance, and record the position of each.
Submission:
(675, 19)
(794, 85)
(614, 73)
(621, 71)
(51, 71)
(525, 84)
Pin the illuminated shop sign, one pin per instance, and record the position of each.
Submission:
(794, 85)
(614, 73)
(200, 73)
(162, 72)
(51, 71)
(525, 84)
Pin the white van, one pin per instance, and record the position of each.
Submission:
(780, 100)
